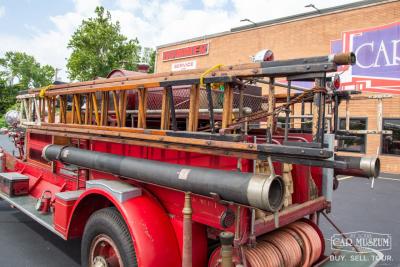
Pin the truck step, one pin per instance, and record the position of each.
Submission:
(27, 204)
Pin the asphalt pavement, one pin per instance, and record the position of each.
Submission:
(356, 207)
(24, 242)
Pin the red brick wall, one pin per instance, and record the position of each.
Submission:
(303, 38)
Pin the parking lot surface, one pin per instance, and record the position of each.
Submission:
(357, 207)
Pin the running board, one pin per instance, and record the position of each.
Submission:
(26, 204)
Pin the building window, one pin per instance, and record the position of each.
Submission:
(391, 142)
(297, 125)
(307, 124)
(280, 122)
(353, 142)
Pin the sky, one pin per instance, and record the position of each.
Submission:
(42, 28)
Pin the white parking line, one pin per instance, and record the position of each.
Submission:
(391, 179)
(383, 178)
(345, 178)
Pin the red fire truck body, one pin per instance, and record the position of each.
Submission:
(161, 197)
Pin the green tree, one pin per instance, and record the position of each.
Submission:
(19, 71)
(23, 71)
(149, 57)
(98, 47)
(7, 96)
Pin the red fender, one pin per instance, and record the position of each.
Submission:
(151, 230)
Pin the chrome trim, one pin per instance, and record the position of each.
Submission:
(370, 165)
(259, 190)
(43, 152)
(69, 195)
(120, 190)
(14, 176)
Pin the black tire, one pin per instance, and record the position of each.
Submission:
(108, 221)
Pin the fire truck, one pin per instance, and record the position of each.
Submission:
(189, 168)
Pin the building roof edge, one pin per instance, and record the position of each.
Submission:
(301, 16)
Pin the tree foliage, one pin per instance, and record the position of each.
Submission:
(7, 96)
(149, 57)
(98, 47)
(19, 71)
(22, 71)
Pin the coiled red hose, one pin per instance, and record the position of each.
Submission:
(297, 244)
(288, 247)
(303, 243)
(264, 254)
(315, 241)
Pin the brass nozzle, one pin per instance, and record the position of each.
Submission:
(226, 239)
(187, 208)
(345, 58)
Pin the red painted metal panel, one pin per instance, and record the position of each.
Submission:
(62, 213)
(35, 145)
(172, 156)
(289, 215)
(149, 226)
(205, 210)
(300, 176)
(40, 179)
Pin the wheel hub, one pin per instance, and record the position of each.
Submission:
(99, 261)
(104, 252)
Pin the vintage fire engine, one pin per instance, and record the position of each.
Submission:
(190, 168)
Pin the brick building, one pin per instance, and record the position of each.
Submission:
(369, 28)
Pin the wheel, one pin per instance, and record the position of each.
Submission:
(106, 241)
